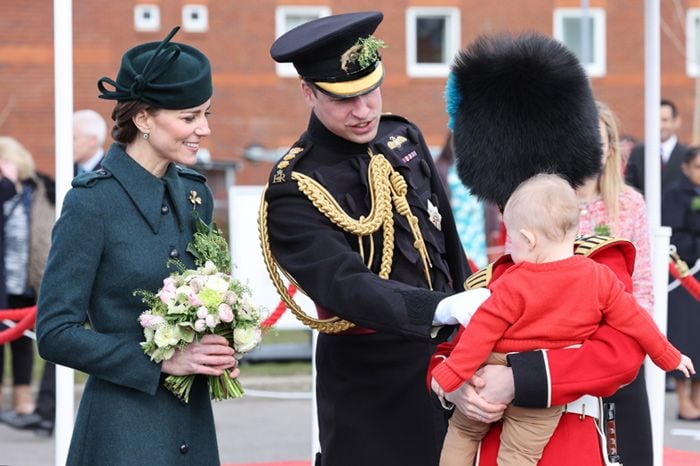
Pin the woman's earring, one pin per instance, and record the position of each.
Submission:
(146, 136)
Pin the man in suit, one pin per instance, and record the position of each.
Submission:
(89, 133)
(672, 152)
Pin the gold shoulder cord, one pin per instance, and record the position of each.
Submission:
(479, 279)
(586, 245)
(386, 185)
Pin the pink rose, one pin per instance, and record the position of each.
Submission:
(148, 320)
(194, 299)
(225, 313)
(169, 291)
(230, 297)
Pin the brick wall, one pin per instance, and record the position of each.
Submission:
(252, 105)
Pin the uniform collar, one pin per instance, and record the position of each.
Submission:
(339, 148)
(145, 190)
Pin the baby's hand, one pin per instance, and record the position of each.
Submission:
(686, 366)
(437, 388)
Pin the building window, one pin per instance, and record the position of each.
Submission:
(583, 32)
(693, 42)
(432, 40)
(146, 18)
(195, 18)
(289, 17)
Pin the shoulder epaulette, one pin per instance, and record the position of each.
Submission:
(392, 116)
(190, 173)
(282, 170)
(587, 245)
(479, 279)
(597, 245)
(89, 179)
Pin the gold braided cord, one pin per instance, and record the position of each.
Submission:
(387, 187)
(399, 191)
(380, 215)
(380, 197)
(332, 325)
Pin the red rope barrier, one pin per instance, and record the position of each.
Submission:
(279, 310)
(688, 281)
(25, 318)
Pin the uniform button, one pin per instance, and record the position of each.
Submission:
(164, 209)
(184, 448)
(174, 254)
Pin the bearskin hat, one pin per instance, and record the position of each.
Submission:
(518, 106)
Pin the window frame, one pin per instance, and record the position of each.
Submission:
(287, 70)
(692, 67)
(453, 24)
(597, 67)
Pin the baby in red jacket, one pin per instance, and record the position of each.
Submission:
(550, 298)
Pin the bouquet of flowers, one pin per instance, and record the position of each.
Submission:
(192, 303)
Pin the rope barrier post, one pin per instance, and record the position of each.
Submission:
(655, 377)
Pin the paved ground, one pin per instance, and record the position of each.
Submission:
(257, 430)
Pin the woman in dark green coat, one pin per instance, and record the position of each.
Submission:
(117, 230)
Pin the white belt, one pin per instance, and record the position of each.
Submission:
(587, 405)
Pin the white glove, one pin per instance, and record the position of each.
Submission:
(460, 307)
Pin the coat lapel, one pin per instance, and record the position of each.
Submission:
(147, 192)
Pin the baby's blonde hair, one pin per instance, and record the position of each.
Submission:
(544, 203)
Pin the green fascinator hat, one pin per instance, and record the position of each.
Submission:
(164, 74)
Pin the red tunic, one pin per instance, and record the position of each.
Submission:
(551, 305)
(607, 360)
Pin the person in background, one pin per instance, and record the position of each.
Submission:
(609, 207)
(680, 210)
(89, 134)
(672, 151)
(22, 348)
(468, 211)
(130, 218)
(627, 145)
(29, 217)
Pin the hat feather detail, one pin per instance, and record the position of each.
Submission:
(524, 107)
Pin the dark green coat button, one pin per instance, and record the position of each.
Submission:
(184, 448)
(164, 209)
(174, 254)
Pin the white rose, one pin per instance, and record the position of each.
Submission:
(246, 338)
(209, 268)
(217, 283)
(200, 325)
(202, 312)
(183, 290)
(166, 335)
(211, 320)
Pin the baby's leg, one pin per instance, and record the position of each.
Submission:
(498, 359)
(526, 432)
(462, 440)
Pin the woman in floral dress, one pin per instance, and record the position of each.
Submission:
(611, 208)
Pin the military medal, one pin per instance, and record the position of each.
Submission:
(434, 216)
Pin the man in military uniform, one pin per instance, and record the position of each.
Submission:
(356, 215)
